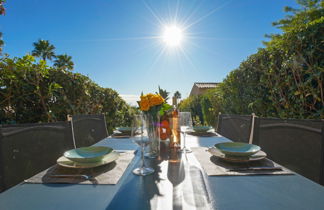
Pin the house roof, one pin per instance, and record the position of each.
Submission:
(206, 84)
(199, 87)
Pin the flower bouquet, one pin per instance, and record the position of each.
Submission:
(154, 108)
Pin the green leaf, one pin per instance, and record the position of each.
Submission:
(297, 93)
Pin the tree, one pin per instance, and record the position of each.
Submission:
(32, 91)
(310, 10)
(193, 104)
(2, 12)
(2, 9)
(64, 62)
(285, 79)
(177, 95)
(43, 49)
(1, 43)
(27, 91)
(164, 93)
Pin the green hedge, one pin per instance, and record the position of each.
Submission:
(31, 91)
(285, 79)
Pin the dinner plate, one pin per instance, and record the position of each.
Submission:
(237, 148)
(237, 159)
(126, 130)
(207, 134)
(87, 154)
(201, 129)
(112, 156)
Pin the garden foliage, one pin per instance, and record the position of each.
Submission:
(31, 91)
(284, 79)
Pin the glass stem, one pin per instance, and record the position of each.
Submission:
(184, 140)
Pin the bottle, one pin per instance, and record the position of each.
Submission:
(175, 139)
(164, 150)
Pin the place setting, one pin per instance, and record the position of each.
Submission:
(87, 165)
(202, 131)
(236, 158)
(122, 132)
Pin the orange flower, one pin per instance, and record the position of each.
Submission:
(156, 100)
(144, 104)
(149, 95)
(143, 97)
(149, 100)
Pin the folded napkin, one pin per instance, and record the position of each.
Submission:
(214, 166)
(106, 174)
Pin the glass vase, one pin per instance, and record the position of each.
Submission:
(153, 128)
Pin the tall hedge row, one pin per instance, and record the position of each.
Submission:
(31, 91)
(284, 79)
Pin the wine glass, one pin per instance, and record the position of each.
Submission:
(139, 136)
(185, 124)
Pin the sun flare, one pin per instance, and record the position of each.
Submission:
(172, 36)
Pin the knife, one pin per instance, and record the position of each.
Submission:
(266, 168)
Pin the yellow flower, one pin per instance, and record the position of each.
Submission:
(156, 100)
(149, 100)
(143, 97)
(149, 95)
(144, 104)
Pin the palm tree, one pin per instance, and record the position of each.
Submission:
(64, 62)
(2, 12)
(43, 49)
(175, 98)
(163, 93)
(2, 8)
(1, 43)
(177, 95)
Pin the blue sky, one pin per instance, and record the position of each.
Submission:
(117, 43)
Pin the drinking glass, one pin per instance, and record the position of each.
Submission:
(185, 124)
(139, 136)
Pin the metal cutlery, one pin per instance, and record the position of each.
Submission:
(266, 168)
(125, 151)
(82, 176)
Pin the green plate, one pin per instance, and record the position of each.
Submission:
(237, 159)
(127, 130)
(201, 129)
(112, 156)
(237, 148)
(87, 154)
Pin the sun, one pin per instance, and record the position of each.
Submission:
(172, 36)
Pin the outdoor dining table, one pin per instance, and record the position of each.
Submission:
(181, 185)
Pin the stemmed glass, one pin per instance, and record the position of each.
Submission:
(139, 136)
(185, 124)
